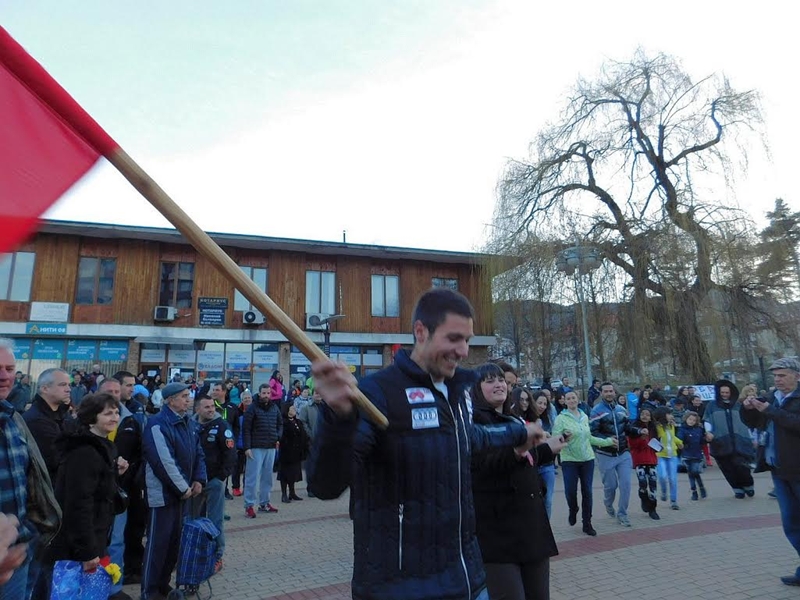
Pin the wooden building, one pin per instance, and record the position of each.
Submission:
(141, 298)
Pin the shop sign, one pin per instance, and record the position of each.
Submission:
(182, 357)
(113, 350)
(210, 360)
(81, 350)
(46, 328)
(153, 355)
(50, 312)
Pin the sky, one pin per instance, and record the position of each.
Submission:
(391, 120)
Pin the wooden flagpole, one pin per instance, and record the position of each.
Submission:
(210, 250)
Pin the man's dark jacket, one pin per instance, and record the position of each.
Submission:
(787, 434)
(46, 426)
(262, 426)
(219, 447)
(414, 518)
(611, 420)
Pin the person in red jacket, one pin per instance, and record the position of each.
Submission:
(645, 460)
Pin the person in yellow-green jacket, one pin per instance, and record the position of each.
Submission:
(667, 467)
(577, 460)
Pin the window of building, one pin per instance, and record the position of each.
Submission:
(445, 283)
(385, 296)
(260, 277)
(177, 281)
(321, 292)
(95, 280)
(16, 276)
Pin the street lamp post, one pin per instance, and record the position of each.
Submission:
(579, 261)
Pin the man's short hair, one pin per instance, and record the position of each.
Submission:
(216, 384)
(108, 380)
(605, 383)
(506, 368)
(47, 377)
(120, 375)
(434, 305)
(8, 345)
(262, 386)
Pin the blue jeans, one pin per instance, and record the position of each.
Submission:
(694, 468)
(548, 475)
(18, 587)
(258, 476)
(788, 494)
(667, 469)
(116, 549)
(616, 472)
(215, 507)
(583, 472)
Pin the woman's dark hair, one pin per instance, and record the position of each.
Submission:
(92, 405)
(434, 305)
(650, 425)
(625, 397)
(528, 414)
(285, 410)
(545, 416)
(660, 415)
(275, 374)
(485, 372)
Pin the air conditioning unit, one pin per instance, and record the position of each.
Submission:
(253, 317)
(316, 321)
(165, 313)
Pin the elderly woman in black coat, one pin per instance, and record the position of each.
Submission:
(87, 483)
(512, 525)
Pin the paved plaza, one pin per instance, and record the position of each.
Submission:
(716, 548)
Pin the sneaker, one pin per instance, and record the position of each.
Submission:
(772, 494)
(739, 495)
(237, 492)
(267, 508)
(610, 510)
(694, 495)
(674, 506)
(750, 492)
(654, 515)
(219, 565)
(703, 493)
(623, 520)
(228, 495)
(589, 530)
(249, 512)
(791, 580)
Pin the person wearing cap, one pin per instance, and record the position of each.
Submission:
(175, 471)
(779, 418)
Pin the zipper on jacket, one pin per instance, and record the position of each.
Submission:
(460, 516)
(400, 542)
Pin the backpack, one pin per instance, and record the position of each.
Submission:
(198, 552)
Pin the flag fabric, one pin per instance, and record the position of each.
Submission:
(47, 142)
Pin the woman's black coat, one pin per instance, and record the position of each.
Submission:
(85, 488)
(511, 519)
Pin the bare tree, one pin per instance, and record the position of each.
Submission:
(631, 163)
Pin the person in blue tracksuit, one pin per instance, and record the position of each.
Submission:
(414, 518)
(174, 471)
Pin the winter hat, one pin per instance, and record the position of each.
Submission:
(786, 363)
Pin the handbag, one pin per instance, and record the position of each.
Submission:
(121, 501)
(71, 582)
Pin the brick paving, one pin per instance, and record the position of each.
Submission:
(712, 549)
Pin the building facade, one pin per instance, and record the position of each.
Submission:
(142, 299)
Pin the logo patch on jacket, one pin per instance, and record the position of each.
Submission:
(419, 395)
(228, 438)
(425, 418)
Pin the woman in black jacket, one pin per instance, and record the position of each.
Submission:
(511, 521)
(294, 449)
(87, 483)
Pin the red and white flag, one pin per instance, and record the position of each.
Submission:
(47, 142)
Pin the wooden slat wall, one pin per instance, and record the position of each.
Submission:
(55, 271)
(287, 284)
(353, 278)
(137, 279)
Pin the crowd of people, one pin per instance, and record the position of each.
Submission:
(125, 460)
(453, 499)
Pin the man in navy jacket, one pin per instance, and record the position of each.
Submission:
(779, 418)
(174, 471)
(414, 520)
